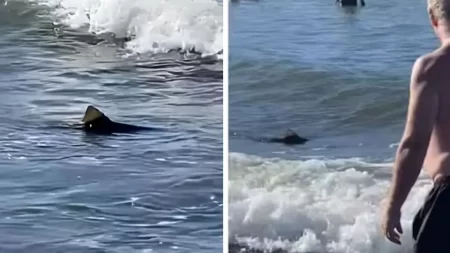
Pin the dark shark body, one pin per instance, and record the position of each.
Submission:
(107, 126)
(96, 122)
(289, 138)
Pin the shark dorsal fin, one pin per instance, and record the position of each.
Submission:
(290, 133)
(92, 114)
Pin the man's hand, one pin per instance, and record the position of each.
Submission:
(390, 224)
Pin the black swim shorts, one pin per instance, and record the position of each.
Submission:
(431, 225)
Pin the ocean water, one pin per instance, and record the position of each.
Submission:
(65, 191)
(340, 78)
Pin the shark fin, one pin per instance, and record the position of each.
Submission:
(290, 133)
(92, 114)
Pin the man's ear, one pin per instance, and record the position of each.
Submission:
(433, 19)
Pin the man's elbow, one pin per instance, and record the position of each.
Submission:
(414, 144)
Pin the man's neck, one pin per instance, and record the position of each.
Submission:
(445, 40)
(444, 34)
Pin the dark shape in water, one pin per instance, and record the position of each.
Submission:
(345, 3)
(96, 122)
(289, 138)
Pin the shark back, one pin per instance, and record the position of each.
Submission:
(96, 122)
(289, 138)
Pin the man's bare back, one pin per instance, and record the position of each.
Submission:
(436, 74)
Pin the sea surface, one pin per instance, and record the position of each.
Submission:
(340, 78)
(64, 191)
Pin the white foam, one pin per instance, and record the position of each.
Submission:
(314, 205)
(158, 25)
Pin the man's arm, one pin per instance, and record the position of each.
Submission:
(421, 116)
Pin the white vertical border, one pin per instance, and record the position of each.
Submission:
(225, 123)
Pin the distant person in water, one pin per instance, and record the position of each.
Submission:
(425, 142)
(350, 2)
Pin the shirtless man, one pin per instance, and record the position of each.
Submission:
(426, 142)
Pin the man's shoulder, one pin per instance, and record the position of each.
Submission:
(428, 68)
(426, 61)
(435, 58)
(430, 63)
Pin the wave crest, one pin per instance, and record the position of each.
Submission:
(152, 25)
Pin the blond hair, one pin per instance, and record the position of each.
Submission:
(440, 8)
